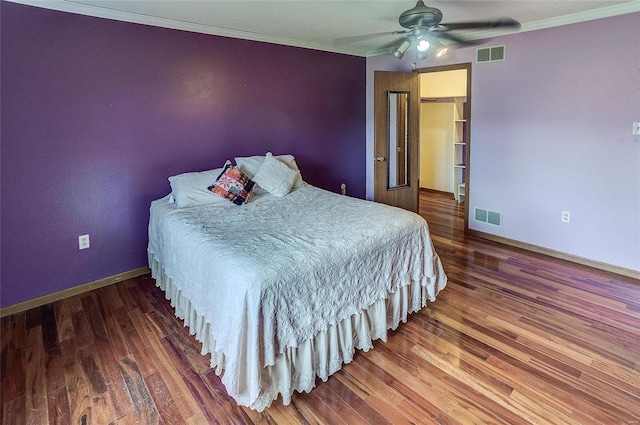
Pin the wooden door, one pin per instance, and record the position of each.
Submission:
(396, 117)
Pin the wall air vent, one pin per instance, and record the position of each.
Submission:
(494, 218)
(489, 217)
(490, 54)
(480, 215)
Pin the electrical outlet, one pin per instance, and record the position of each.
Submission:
(83, 242)
(636, 128)
(343, 188)
(566, 216)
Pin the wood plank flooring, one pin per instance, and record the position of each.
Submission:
(515, 338)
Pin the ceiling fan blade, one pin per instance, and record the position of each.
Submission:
(496, 23)
(358, 38)
(392, 44)
(459, 40)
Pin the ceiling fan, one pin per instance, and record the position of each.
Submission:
(423, 29)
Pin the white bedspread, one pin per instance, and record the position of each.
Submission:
(271, 274)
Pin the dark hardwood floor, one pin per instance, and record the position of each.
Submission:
(515, 338)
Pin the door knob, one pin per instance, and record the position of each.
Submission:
(379, 158)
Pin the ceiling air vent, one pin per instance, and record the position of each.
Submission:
(490, 54)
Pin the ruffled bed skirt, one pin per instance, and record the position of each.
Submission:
(296, 368)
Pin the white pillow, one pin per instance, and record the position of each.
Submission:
(190, 189)
(275, 176)
(251, 164)
(299, 182)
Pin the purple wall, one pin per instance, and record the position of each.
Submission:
(96, 114)
(551, 132)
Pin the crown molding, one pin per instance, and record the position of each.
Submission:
(574, 18)
(137, 18)
(589, 15)
(71, 6)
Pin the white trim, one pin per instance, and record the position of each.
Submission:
(136, 18)
(589, 15)
(574, 18)
(102, 12)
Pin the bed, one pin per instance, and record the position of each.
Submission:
(282, 289)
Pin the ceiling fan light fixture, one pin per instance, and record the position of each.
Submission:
(439, 48)
(399, 52)
(441, 51)
(421, 55)
(423, 45)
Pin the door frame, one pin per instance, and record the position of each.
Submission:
(467, 129)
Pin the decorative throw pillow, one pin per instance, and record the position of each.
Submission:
(190, 189)
(299, 182)
(233, 185)
(275, 176)
(251, 164)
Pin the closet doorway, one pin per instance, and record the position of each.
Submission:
(445, 115)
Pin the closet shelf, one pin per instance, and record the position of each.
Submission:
(459, 148)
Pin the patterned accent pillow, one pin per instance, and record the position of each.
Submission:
(233, 185)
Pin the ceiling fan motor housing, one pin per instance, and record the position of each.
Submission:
(420, 16)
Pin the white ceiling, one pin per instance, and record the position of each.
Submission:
(317, 24)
